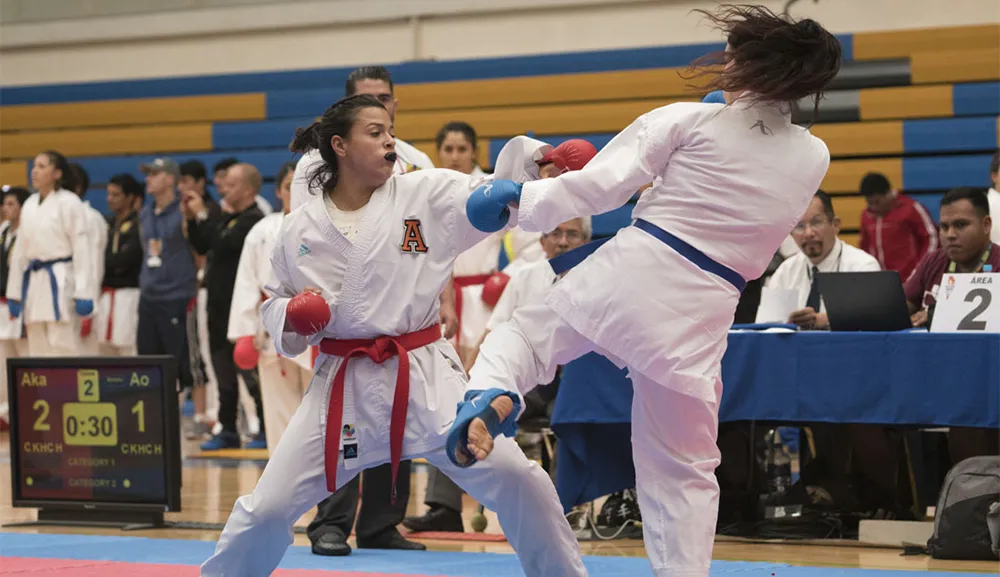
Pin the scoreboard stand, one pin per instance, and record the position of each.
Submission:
(95, 441)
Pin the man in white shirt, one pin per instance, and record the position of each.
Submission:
(527, 285)
(822, 251)
(994, 197)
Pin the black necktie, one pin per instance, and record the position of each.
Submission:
(813, 300)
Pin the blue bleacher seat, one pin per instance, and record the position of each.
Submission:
(950, 134)
(259, 135)
(976, 99)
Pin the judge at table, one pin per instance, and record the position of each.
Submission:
(821, 251)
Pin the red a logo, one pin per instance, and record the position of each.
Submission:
(413, 239)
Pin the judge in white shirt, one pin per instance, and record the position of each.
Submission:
(993, 195)
(822, 251)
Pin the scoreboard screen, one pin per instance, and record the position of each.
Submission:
(93, 431)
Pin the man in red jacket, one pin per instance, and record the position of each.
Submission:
(896, 230)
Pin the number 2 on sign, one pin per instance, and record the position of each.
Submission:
(970, 322)
(40, 424)
(139, 410)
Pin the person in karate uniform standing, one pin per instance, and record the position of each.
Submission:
(377, 519)
(283, 381)
(97, 231)
(730, 183)
(52, 280)
(12, 341)
(118, 313)
(379, 249)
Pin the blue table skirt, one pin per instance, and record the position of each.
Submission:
(907, 378)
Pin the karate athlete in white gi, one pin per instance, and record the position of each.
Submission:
(12, 341)
(386, 382)
(730, 182)
(52, 280)
(283, 381)
(97, 234)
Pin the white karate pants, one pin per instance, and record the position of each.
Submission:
(9, 350)
(110, 350)
(280, 393)
(673, 435)
(259, 529)
(53, 339)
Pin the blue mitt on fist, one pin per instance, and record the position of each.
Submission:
(15, 308)
(714, 98)
(84, 307)
(487, 208)
(477, 405)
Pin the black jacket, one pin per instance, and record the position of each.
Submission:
(5, 260)
(124, 253)
(221, 237)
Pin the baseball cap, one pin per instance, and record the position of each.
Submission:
(162, 165)
(573, 154)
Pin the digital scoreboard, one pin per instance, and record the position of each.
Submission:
(95, 435)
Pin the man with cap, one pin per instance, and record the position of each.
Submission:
(168, 279)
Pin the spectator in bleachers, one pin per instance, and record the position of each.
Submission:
(97, 232)
(895, 229)
(821, 250)
(965, 232)
(12, 341)
(378, 518)
(994, 196)
(221, 239)
(119, 307)
(194, 180)
(220, 169)
(168, 278)
(444, 497)
(52, 256)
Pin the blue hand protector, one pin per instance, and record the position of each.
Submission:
(15, 308)
(84, 307)
(477, 405)
(714, 98)
(487, 208)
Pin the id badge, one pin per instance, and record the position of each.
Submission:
(154, 261)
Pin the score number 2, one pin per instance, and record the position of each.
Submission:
(970, 322)
(42, 406)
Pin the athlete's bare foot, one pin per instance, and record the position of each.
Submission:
(480, 441)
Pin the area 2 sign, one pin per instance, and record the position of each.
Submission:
(968, 303)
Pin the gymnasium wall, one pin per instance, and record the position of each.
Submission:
(55, 41)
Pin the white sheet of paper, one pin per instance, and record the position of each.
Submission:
(776, 304)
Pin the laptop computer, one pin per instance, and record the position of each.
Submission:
(864, 301)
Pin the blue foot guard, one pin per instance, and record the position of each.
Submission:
(477, 405)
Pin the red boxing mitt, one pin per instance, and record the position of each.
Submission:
(245, 355)
(307, 313)
(493, 288)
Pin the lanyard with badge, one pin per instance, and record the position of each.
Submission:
(155, 243)
(983, 265)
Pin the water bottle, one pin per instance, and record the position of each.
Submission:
(779, 466)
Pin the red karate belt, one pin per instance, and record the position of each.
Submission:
(379, 350)
(461, 282)
(111, 313)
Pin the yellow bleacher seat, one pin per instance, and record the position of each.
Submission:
(861, 138)
(14, 173)
(906, 102)
(549, 89)
(904, 43)
(851, 238)
(844, 176)
(429, 147)
(955, 66)
(849, 209)
(140, 111)
(553, 119)
(110, 141)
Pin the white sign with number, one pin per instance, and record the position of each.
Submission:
(967, 303)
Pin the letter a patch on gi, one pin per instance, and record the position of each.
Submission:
(413, 238)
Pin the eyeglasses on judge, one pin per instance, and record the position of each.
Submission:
(815, 223)
(571, 235)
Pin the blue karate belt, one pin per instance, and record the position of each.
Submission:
(46, 265)
(570, 259)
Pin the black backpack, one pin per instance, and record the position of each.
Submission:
(961, 530)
